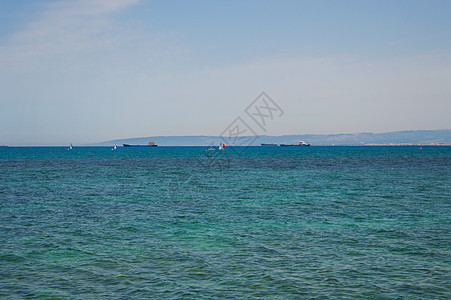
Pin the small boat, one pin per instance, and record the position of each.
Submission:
(221, 147)
(150, 144)
(269, 145)
(70, 147)
(301, 144)
(115, 146)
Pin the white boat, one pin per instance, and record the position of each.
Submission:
(301, 144)
(115, 146)
(221, 147)
(70, 147)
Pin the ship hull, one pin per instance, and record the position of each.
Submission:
(283, 145)
(128, 145)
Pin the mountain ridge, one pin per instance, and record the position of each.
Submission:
(406, 137)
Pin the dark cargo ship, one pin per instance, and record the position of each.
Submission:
(268, 145)
(150, 144)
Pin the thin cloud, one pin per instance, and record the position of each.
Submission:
(90, 7)
(64, 27)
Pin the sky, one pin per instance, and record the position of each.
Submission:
(90, 71)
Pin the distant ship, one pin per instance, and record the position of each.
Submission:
(301, 143)
(268, 145)
(150, 144)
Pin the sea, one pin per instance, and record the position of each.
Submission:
(242, 223)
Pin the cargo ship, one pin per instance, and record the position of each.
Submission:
(268, 145)
(150, 144)
(301, 143)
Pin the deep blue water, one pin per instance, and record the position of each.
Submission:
(179, 222)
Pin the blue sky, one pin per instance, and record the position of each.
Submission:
(88, 71)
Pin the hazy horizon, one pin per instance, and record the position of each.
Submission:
(90, 71)
(132, 139)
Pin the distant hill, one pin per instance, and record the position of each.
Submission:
(411, 137)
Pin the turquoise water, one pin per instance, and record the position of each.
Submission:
(179, 222)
